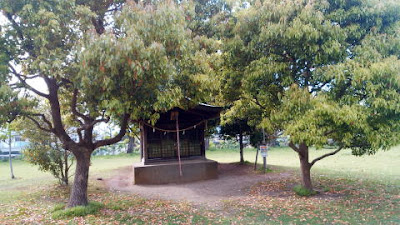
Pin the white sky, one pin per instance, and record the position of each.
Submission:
(39, 84)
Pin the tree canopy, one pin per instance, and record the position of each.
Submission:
(100, 61)
(318, 71)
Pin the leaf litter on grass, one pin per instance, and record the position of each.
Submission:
(270, 202)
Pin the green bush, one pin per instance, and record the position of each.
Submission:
(302, 191)
(91, 208)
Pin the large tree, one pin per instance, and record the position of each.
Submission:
(100, 61)
(318, 70)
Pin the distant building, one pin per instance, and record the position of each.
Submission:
(17, 145)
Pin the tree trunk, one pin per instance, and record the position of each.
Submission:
(131, 144)
(305, 166)
(11, 167)
(66, 168)
(9, 156)
(241, 148)
(79, 189)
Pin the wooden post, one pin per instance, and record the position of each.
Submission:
(179, 145)
(201, 128)
(205, 145)
(265, 163)
(143, 143)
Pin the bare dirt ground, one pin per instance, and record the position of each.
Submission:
(233, 181)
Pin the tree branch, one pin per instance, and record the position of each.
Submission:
(329, 132)
(98, 24)
(343, 89)
(14, 24)
(74, 110)
(26, 85)
(293, 146)
(65, 81)
(118, 137)
(326, 155)
(32, 77)
(69, 166)
(116, 8)
(14, 85)
(38, 124)
(318, 88)
(44, 119)
(79, 131)
(55, 111)
(255, 100)
(92, 123)
(105, 120)
(28, 45)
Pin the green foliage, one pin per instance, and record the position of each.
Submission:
(302, 191)
(209, 16)
(226, 144)
(91, 209)
(319, 71)
(11, 105)
(153, 64)
(235, 128)
(49, 159)
(145, 62)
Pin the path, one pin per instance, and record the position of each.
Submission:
(234, 181)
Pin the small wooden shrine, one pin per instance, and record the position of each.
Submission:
(173, 149)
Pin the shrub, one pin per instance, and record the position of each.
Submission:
(91, 208)
(302, 191)
(50, 157)
(46, 151)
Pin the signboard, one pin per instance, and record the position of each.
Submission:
(263, 150)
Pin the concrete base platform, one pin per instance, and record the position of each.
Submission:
(168, 172)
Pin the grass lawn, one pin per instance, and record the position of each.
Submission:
(29, 179)
(354, 190)
(384, 166)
